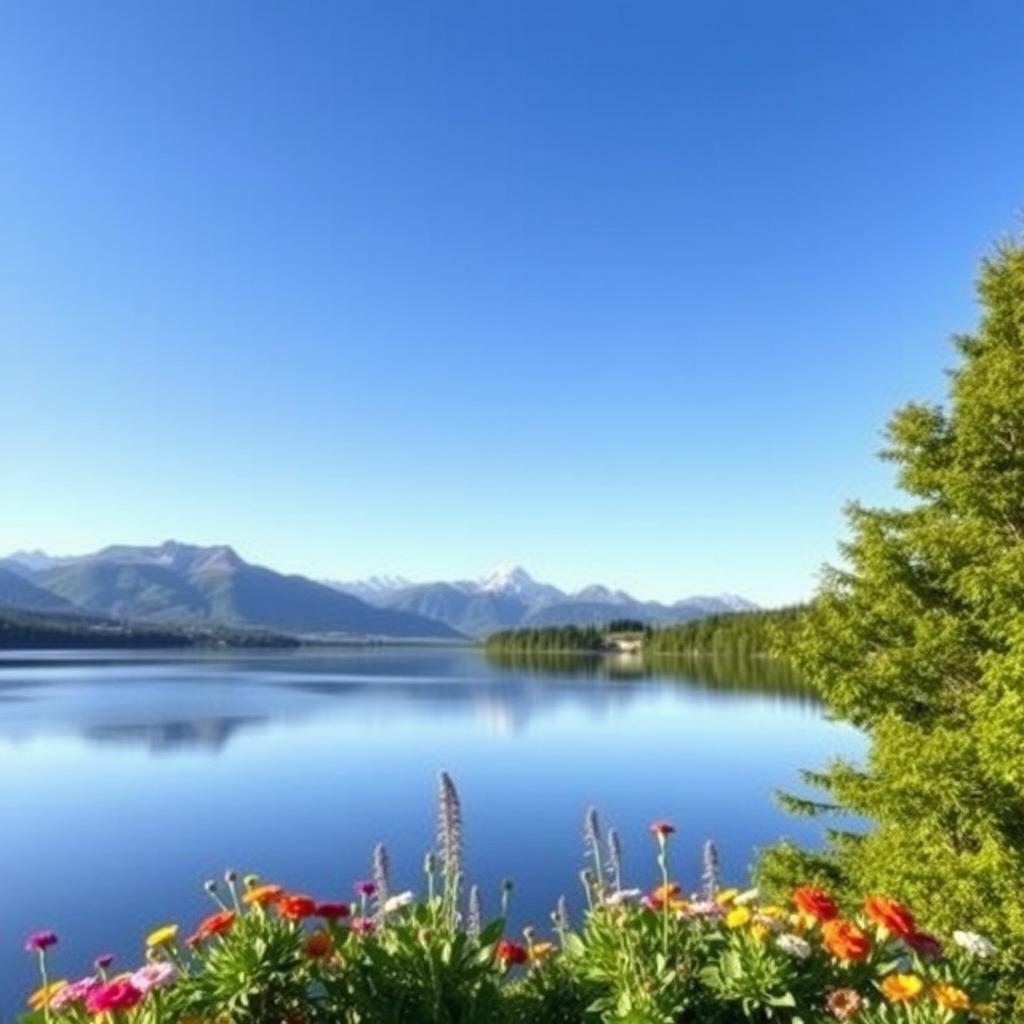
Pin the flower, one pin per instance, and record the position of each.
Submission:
(261, 895)
(844, 940)
(101, 963)
(616, 899)
(362, 925)
(662, 830)
(815, 903)
(759, 931)
(332, 911)
(318, 945)
(366, 887)
(668, 891)
(215, 924)
(540, 950)
(44, 996)
(901, 988)
(39, 942)
(162, 936)
(295, 906)
(704, 908)
(794, 945)
(727, 896)
(155, 975)
(510, 952)
(745, 897)
(949, 997)
(975, 944)
(73, 993)
(114, 995)
(397, 902)
(844, 1003)
(890, 916)
(926, 944)
(738, 917)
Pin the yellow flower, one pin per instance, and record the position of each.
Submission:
(163, 936)
(949, 997)
(540, 950)
(738, 917)
(901, 988)
(759, 932)
(727, 896)
(42, 996)
(773, 910)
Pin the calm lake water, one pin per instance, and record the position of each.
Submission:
(128, 779)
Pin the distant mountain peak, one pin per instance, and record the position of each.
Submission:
(506, 577)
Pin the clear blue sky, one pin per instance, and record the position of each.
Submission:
(620, 291)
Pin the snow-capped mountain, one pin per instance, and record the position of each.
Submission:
(508, 597)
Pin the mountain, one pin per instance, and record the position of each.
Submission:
(376, 590)
(18, 592)
(175, 582)
(509, 597)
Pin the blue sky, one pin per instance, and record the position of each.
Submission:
(619, 291)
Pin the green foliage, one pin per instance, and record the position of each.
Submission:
(555, 639)
(919, 638)
(735, 635)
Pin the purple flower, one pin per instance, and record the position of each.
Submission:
(365, 888)
(38, 942)
(101, 963)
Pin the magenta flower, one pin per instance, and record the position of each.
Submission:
(115, 995)
(39, 942)
(365, 888)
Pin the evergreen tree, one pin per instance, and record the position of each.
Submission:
(919, 639)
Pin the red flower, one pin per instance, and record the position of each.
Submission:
(815, 903)
(511, 953)
(38, 942)
(891, 916)
(332, 911)
(926, 944)
(662, 829)
(215, 924)
(296, 906)
(115, 995)
(318, 945)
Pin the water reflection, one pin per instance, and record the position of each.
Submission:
(163, 703)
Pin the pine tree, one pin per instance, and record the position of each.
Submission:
(919, 639)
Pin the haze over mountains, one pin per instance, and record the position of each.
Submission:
(509, 597)
(188, 584)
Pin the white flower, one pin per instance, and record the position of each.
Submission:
(794, 945)
(704, 908)
(154, 975)
(398, 902)
(622, 896)
(745, 897)
(975, 944)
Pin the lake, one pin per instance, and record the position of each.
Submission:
(129, 778)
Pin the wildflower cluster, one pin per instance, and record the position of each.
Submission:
(270, 955)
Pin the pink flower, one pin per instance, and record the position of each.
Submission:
(73, 993)
(662, 829)
(362, 925)
(114, 995)
(844, 1003)
(39, 942)
(155, 975)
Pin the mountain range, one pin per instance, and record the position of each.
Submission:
(176, 583)
(183, 583)
(509, 597)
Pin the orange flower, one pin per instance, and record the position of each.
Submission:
(261, 895)
(949, 997)
(815, 903)
(665, 892)
(901, 988)
(296, 906)
(215, 924)
(844, 940)
(318, 945)
(891, 916)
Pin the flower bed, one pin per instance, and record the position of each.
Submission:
(270, 956)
